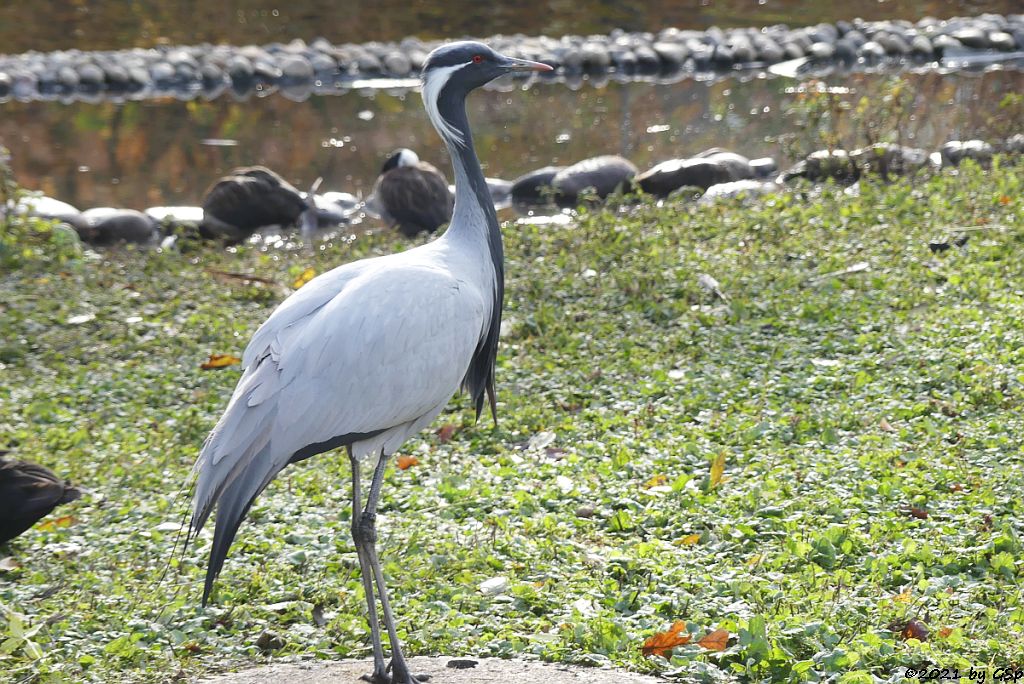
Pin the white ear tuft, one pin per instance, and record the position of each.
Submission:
(433, 83)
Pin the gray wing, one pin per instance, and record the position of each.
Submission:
(360, 355)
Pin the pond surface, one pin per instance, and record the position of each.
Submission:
(140, 154)
(168, 151)
(109, 24)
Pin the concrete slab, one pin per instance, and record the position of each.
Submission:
(441, 669)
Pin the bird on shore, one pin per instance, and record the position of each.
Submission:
(368, 354)
(28, 493)
(411, 195)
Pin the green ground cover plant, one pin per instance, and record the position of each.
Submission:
(822, 459)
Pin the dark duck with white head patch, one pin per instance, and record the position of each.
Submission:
(412, 195)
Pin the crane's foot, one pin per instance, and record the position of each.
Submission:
(401, 677)
(401, 673)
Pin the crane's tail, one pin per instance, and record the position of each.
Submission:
(232, 506)
(229, 479)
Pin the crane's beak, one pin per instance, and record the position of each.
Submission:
(513, 64)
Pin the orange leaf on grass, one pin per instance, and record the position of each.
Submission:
(689, 540)
(62, 521)
(663, 642)
(945, 632)
(406, 462)
(914, 630)
(220, 361)
(715, 641)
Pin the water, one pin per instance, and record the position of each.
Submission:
(141, 154)
(109, 24)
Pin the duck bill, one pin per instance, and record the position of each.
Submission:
(513, 64)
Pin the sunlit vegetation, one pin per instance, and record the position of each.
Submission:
(816, 470)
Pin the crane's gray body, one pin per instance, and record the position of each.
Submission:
(368, 354)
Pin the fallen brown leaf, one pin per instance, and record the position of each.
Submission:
(220, 361)
(663, 642)
(945, 632)
(715, 641)
(446, 432)
(406, 462)
(914, 629)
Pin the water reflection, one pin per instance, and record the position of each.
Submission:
(159, 152)
(59, 24)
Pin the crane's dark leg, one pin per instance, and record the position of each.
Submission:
(380, 673)
(399, 669)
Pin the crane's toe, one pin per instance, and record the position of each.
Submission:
(403, 677)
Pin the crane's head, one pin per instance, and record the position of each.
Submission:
(453, 70)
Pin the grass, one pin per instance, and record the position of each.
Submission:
(830, 455)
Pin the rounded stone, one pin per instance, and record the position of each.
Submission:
(266, 71)
(671, 54)
(162, 73)
(90, 75)
(323, 64)
(647, 60)
(116, 76)
(624, 60)
(972, 37)
(943, 42)
(793, 51)
(1002, 41)
(239, 69)
(368, 64)
(396, 63)
(872, 51)
(296, 69)
(821, 51)
(845, 51)
(595, 56)
(67, 77)
(921, 46)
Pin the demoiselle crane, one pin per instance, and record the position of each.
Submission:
(368, 354)
(411, 195)
(28, 493)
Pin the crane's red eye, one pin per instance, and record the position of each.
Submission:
(477, 59)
